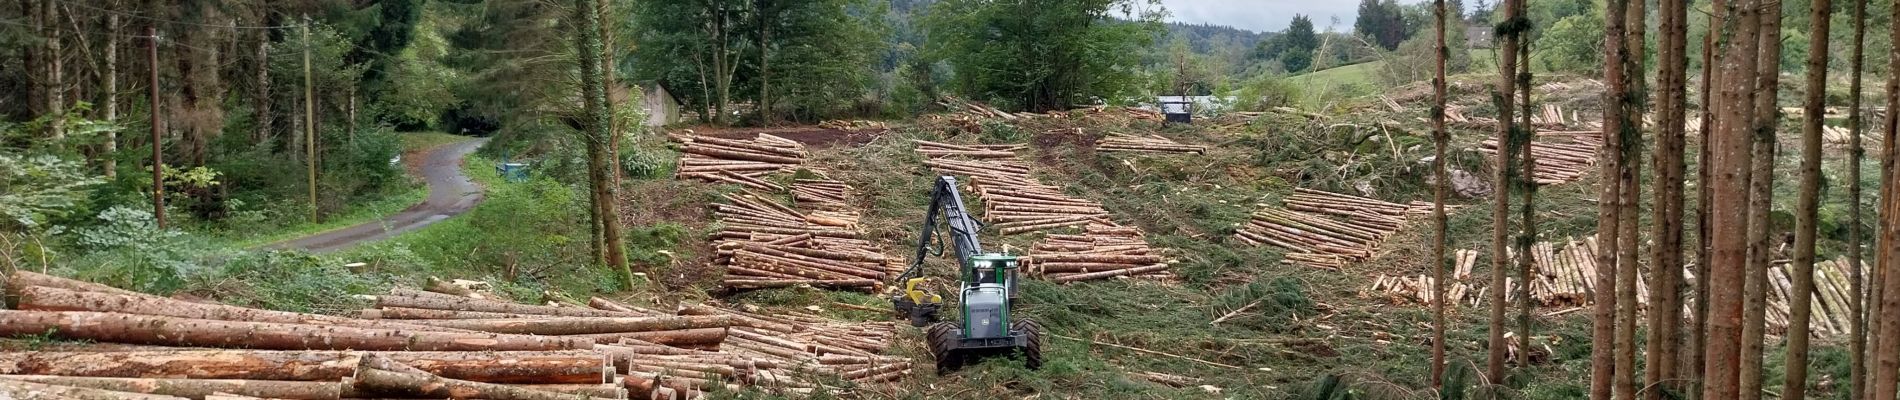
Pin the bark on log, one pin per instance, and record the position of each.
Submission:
(207, 364)
(199, 388)
(421, 299)
(699, 337)
(582, 325)
(435, 387)
(1108, 274)
(424, 313)
(23, 278)
(22, 390)
(140, 329)
(40, 298)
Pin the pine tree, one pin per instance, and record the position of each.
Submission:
(1603, 362)
(1806, 212)
(1512, 33)
(1857, 306)
(1665, 314)
(1441, 180)
(1761, 181)
(1728, 216)
(1628, 176)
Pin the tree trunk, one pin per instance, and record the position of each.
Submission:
(261, 90)
(1728, 218)
(32, 59)
(1441, 181)
(437, 301)
(765, 65)
(1695, 356)
(1665, 287)
(23, 278)
(1527, 186)
(1856, 303)
(1800, 302)
(1603, 360)
(110, 107)
(55, 73)
(1760, 201)
(1629, 178)
(169, 331)
(1886, 286)
(599, 125)
(1501, 211)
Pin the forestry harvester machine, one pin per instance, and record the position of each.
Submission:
(985, 294)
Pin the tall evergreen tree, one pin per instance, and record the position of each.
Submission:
(1665, 339)
(1441, 181)
(1762, 122)
(1603, 355)
(1512, 31)
(1738, 59)
(1857, 301)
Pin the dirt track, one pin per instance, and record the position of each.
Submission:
(450, 193)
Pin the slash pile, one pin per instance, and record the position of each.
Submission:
(740, 162)
(1116, 142)
(1561, 156)
(1419, 289)
(1017, 203)
(764, 244)
(1355, 229)
(419, 345)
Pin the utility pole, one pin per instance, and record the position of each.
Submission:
(158, 147)
(309, 121)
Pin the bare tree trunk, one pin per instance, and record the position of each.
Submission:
(55, 73)
(1760, 201)
(1629, 177)
(1886, 286)
(765, 66)
(32, 59)
(1728, 219)
(111, 107)
(260, 92)
(1527, 184)
(1603, 360)
(1856, 303)
(1440, 137)
(1665, 287)
(1505, 97)
(1800, 302)
(1699, 328)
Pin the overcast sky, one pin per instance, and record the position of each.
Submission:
(1265, 15)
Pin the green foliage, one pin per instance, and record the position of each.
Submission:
(1042, 55)
(1266, 92)
(37, 189)
(1293, 47)
(297, 281)
(121, 227)
(1573, 44)
(1382, 21)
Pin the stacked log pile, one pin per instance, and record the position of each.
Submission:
(1418, 289)
(740, 162)
(1561, 156)
(1839, 137)
(1116, 142)
(764, 244)
(1325, 230)
(854, 125)
(1015, 203)
(419, 345)
(1831, 293)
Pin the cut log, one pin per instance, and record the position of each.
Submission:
(200, 388)
(200, 364)
(582, 325)
(24, 278)
(435, 387)
(698, 337)
(41, 298)
(170, 331)
(22, 390)
(421, 299)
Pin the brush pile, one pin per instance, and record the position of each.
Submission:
(1015, 202)
(764, 244)
(854, 125)
(1116, 142)
(740, 162)
(1418, 289)
(1561, 157)
(1326, 230)
(418, 345)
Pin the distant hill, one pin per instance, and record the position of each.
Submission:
(1204, 38)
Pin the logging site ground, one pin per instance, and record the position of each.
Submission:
(1292, 243)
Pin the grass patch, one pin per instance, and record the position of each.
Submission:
(420, 141)
(362, 211)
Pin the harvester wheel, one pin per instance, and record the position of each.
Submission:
(1032, 352)
(942, 338)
